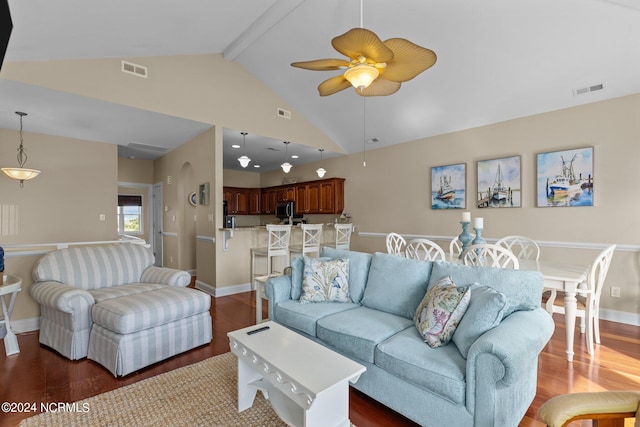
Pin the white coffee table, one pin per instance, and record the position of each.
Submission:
(306, 383)
(10, 288)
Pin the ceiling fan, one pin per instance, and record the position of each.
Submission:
(374, 68)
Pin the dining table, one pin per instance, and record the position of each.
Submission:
(565, 277)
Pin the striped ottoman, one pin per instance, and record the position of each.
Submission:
(134, 331)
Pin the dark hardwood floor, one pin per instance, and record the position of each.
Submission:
(38, 374)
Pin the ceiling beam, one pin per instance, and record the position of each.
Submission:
(273, 15)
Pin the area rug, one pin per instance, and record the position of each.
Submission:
(202, 394)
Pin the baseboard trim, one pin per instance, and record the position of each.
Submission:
(25, 325)
(620, 316)
(224, 291)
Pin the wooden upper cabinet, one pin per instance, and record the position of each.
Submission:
(325, 196)
(268, 199)
(237, 200)
(285, 194)
(254, 201)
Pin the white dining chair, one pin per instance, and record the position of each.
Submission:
(455, 246)
(521, 246)
(588, 298)
(424, 250)
(311, 237)
(395, 244)
(490, 255)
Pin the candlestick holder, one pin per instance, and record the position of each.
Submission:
(464, 237)
(479, 239)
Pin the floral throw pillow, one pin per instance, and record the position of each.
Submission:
(440, 311)
(325, 281)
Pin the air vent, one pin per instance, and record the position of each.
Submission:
(373, 140)
(588, 89)
(146, 147)
(284, 113)
(135, 69)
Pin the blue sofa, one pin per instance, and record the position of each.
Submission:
(485, 377)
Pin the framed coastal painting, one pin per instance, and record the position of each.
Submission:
(499, 183)
(449, 186)
(565, 178)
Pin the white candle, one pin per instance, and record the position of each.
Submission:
(478, 223)
(466, 216)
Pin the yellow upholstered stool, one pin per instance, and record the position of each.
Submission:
(606, 408)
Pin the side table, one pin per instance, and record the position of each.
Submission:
(10, 288)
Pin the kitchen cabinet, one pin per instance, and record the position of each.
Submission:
(285, 193)
(268, 199)
(237, 200)
(325, 196)
(254, 201)
(308, 198)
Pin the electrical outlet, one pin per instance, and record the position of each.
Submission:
(103, 217)
(615, 292)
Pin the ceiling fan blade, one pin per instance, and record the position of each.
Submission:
(380, 87)
(362, 42)
(321, 64)
(409, 60)
(333, 85)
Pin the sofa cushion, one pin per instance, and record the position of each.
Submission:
(356, 332)
(325, 281)
(132, 313)
(303, 317)
(522, 289)
(440, 370)
(485, 312)
(104, 294)
(297, 273)
(440, 311)
(94, 267)
(359, 263)
(396, 284)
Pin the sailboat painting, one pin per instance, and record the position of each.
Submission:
(448, 186)
(499, 183)
(565, 178)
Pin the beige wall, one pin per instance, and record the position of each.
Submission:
(135, 171)
(390, 194)
(63, 204)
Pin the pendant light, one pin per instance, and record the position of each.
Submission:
(244, 160)
(286, 166)
(320, 171)
(21, 173)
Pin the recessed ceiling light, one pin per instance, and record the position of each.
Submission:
(256, 166)
(294, 157)
(235, 146)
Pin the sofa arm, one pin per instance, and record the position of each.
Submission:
(61, 297)
(277, 289)
(165, 276)
(502, 367)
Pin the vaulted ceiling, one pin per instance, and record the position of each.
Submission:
(497, 60)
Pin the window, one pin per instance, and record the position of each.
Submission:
(130, 214)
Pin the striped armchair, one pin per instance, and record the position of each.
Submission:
(75, 285)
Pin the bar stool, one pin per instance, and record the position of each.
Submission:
(279, 237)
(311, 236)
(343, 236)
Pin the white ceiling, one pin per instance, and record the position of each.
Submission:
(497, 60)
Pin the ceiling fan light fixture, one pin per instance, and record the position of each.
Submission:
(361, 76)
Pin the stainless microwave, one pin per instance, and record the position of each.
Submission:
(285, 209)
